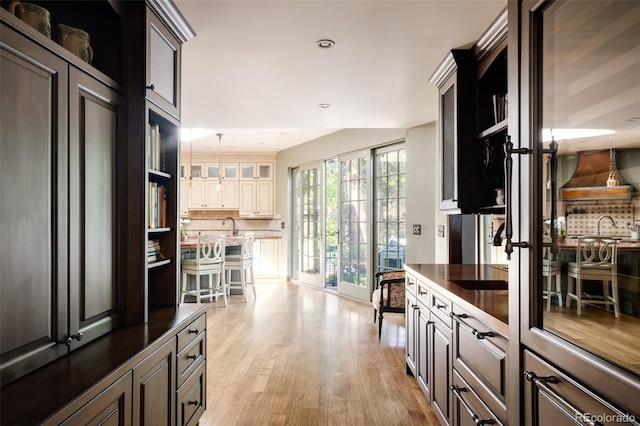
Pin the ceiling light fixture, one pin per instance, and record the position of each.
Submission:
(325, 43)
(324, 105)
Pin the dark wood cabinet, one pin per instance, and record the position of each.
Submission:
(61, 130)
(154, 384)
(472, 83)
(89, 321)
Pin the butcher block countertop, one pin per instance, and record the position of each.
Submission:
(479, 288)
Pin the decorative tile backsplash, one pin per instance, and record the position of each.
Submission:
(582, 219)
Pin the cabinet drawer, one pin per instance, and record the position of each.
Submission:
(422, 291)
(191, 397)
(440, 306)
(411, 284)
(191, 332)
(480, 356)
(190, 356)
(468, 408)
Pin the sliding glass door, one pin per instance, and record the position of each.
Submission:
(354, 230)
(309, 219)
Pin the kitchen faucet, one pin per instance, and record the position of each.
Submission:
(234, 230)
(613, 222)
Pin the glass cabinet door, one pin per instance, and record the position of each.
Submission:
(586, 144)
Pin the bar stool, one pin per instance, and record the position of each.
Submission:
(596, 259)
(243, 263)
(551, 272)
(209, 261)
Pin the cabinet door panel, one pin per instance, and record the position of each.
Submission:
(163, 71)
(33, 206)
(154, 387)
(264, 198)
(441, 369)
(93, 139)
(111, 407)
(423, 349)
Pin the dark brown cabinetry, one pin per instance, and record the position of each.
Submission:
(76, 220)
(472, 83)
(575, 367)
(61, 128)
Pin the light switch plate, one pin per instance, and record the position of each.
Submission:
(441, 231)
(417, 229)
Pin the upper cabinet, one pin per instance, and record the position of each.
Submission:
(472, 83)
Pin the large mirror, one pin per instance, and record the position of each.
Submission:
(589, 64)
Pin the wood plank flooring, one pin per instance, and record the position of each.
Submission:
(297, 355)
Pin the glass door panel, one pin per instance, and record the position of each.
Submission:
(588, 153)
(354, 226)
(310, 224)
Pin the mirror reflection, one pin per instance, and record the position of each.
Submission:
(590, 95)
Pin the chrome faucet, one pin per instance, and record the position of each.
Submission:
(613, 222)
(234, 230)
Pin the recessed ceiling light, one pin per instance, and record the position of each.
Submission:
(634, 119)
(325, 43)
(324, 105)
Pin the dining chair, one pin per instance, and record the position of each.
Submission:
(389, 295)
(596, 259)
(241, 262)
(209, 261)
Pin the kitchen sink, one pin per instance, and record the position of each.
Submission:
(482, 284)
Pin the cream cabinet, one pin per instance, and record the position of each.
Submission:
(256, 198)
(266, 257)
(184, 197)
(254, 171)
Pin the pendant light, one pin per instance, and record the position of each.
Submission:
(219, 185)
(612, 180)
(190, 183)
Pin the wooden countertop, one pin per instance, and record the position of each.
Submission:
(490, 305)
(38, 395)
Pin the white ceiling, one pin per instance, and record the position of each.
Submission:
(253, 71)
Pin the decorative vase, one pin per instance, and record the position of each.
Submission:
(184, 238)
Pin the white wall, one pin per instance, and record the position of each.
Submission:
(422, 180)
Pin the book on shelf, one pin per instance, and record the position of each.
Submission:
(155, 145)
(153, 251)
(157, 205)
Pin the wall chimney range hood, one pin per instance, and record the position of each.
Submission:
(589, 180)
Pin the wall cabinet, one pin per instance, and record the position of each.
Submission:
(472, 83)
(60, 243)
(256, 198)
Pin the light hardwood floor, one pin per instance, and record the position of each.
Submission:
(303, 356)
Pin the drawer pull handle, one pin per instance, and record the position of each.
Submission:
(475, 333)
(195, 402)
(409, 282)
(194, 331)
(569, 409)
(441, 306)
(193, 357)
(150, 87)
(457, 390)
(420, 292)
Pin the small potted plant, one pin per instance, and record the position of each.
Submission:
(183, 229)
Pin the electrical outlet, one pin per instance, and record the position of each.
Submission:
(417, 229)
(441, 231)
(281, 225)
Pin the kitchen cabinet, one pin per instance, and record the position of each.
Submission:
(472, 83)
(256, 198)
(60, 243)
(411, 324)
(154, 385)
(251, 171)
(574, 367)
(184, 198)
(457, 347)
(266, 257)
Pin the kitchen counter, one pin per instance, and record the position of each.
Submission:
(479, 288)
(623, 245)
